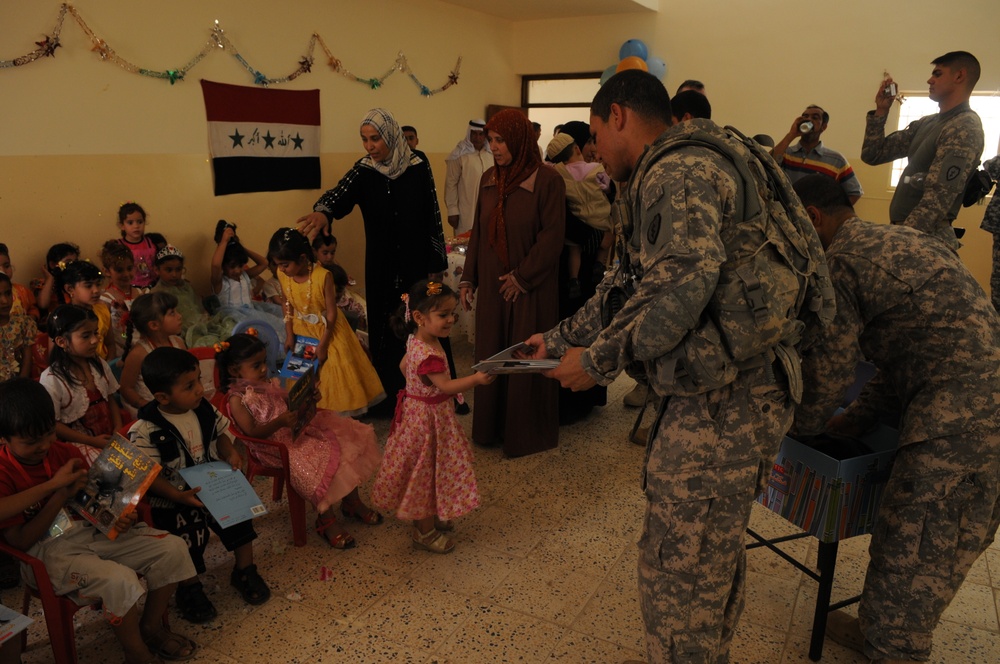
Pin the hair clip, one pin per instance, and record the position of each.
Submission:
(221, 346)
(124, 203)
(252, 331)
(405, 297)
(433, 288)
(61, 265)
(288, 234)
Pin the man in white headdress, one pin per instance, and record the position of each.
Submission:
(466, 165)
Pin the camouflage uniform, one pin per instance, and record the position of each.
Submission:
(707, 453)
(991, 224)
(942, 151)
(914, 310)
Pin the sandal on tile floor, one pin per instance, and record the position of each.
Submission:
(435, 541)
(250, 585)
(341, 540)
(194, 605)
(169, 646)
(361, 512)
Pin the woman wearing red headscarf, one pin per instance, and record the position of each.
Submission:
(512, 268)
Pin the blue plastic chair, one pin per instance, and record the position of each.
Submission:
(266, 333)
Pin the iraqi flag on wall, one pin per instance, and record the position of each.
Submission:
(262, 140)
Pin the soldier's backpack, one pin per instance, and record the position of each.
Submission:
(774, 281)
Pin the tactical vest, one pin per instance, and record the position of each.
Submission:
(774, 282)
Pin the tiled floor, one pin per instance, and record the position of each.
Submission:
(544, 572)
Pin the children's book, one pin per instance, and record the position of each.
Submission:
(225, 492)
(302, 400)
(506, 362)
(12, 623)
(118, 479)
(300, 358)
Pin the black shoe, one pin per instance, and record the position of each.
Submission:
(194, 605)
(462, 408)
(252, 587)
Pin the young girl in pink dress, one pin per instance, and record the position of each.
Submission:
(331, 457)
(426, 474)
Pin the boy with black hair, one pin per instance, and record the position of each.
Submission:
(177, 429)
(38, 477)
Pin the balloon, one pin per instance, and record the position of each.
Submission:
(633, 48)
(657, 67)
(608, 73)
(632, 62)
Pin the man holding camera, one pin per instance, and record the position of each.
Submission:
(809, 156)
(942, 149)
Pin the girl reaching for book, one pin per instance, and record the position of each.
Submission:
(426, 475)
(330, 458)
(348, 383)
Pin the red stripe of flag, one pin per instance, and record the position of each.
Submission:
(239, 103)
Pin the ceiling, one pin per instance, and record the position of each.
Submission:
(529, 10)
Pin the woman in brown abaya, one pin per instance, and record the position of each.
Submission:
(512, 268)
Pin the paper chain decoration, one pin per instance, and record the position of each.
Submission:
(218, 40)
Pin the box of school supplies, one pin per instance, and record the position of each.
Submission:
(832, 487)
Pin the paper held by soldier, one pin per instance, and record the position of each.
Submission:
(505, 362)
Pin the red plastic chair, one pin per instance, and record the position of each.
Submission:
(58, 610)
(255, 466)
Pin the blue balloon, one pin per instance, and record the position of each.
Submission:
(608, 73)
(633, 47)
(657, 67)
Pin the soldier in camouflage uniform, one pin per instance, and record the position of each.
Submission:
(910, 307)
(991, 224)
(708, 449)
(942, 149)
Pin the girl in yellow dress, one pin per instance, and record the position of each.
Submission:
(348, 383)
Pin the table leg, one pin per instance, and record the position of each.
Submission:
(826, 561)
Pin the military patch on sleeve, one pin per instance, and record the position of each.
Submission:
(953, 165)
(653, 230)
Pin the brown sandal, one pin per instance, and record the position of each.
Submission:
(435, 541)
(341, 540)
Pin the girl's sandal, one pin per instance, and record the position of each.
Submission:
(434, 541)
(361, 512)
(341, 540)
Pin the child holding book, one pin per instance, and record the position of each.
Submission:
(179, 429)
(82, 563)
(426, 473)
(330, 458)
(81, 384)
(348, 383)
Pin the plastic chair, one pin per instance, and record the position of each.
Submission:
(281, 477)
(57, 609)
(267, 334)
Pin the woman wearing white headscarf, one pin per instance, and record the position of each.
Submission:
(394, 188)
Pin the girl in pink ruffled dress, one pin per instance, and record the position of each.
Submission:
(426, 474)
(330, 458)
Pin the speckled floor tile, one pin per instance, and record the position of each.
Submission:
(494, 634)
(756, 643)
(342, 592)
(471, 569)
(613, 613)
(974, 606)
(547, 592)
(577, 648)
(587, 549)
(979, 572)
(769, 600)
(359, 645)
(955, 643)
(286, 631)
(992, 556)
(418, 615)
(797, 652)
(514, 532)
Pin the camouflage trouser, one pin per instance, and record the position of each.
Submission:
(704, 467)
(995, 274)
(939, 512)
